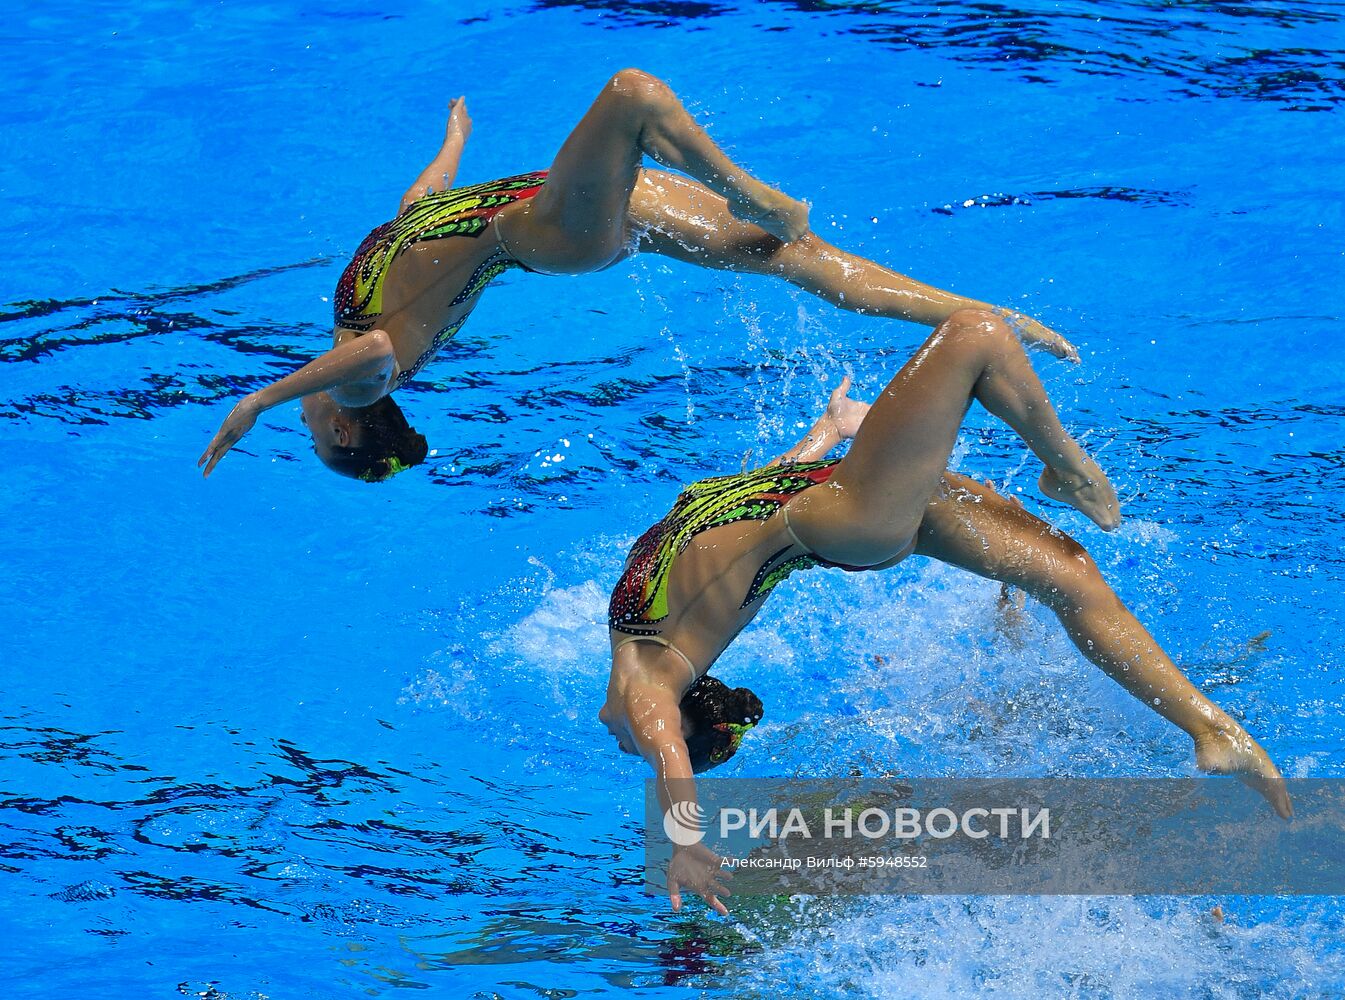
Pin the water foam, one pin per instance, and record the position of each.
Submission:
(1095, 947)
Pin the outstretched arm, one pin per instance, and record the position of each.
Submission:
(656, 726)
(438, 176)
(356, 372)
(839, 422)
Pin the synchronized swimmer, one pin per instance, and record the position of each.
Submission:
(695, 579)
(414, 281)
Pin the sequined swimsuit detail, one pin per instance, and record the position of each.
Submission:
(640, 601)
(464, 211)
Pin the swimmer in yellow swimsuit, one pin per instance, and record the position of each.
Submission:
(414, 280)
(695, 579)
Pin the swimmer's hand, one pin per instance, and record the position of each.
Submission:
(699, 869)
(239, 422)
(846, 414)
(1039, 335)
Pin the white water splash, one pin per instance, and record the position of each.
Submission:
(450, 684)
(567, 633)
(1094, 947)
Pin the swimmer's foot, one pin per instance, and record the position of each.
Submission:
(1087, 489)
(1038, 335)
(774, 211)
(1232, 751)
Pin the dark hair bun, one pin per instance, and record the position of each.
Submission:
(413, 448)
(388, 444)
(719, 715)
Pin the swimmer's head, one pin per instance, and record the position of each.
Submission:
(715, 717)
(372, 443)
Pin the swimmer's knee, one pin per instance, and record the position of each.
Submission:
(971, 318)
(630, 79)
(975, 331)
(636, 87)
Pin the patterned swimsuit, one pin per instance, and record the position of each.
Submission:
(464, 211)
(640, 601)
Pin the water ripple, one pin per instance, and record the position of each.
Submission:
(1205, 50)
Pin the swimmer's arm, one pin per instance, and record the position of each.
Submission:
(840, 422)
(439, 175)
(656, 726)
(356, 372)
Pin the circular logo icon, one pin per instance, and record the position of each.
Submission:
(684, 824)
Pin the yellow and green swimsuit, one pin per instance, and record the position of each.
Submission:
(464, 211)
(640, 601)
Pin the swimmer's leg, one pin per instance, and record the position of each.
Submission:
(439, 175)
(873, 504)
(682, 219)
(577, 222)
(971, 526)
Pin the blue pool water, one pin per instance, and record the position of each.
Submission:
(282, 735)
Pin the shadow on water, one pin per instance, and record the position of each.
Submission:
(1132, 196)
(403, 874)
(506, 422)
(686, 952)
(42, 331)
(1193, 50)
(363, 824)
(516, 428)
